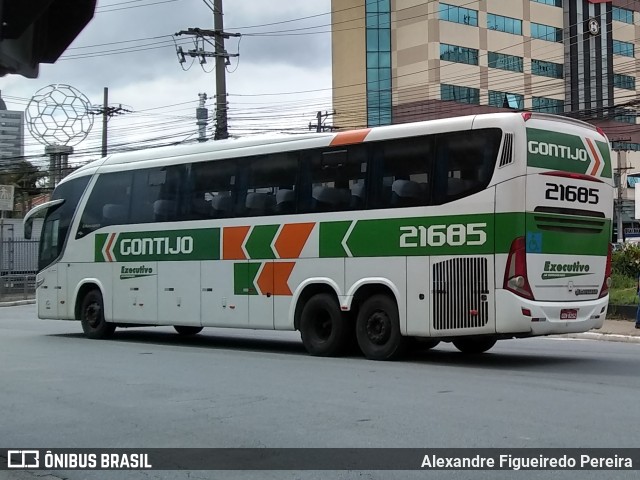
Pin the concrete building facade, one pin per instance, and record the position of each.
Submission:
(397, 61)
(11, 134)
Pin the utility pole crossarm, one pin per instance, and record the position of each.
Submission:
(221, 58)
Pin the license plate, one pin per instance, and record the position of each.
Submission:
(568, 314)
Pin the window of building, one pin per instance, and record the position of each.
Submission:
(623, 48)
(554, 3)
(453, 13)
(547, 69)
(547, 105)
(546, 32)
(454, 53)
(625, 118)
(623, 15)
(624, 81)
(505, 62)
(506, 100)
(460, 94)
(378, 39)
(504, 24)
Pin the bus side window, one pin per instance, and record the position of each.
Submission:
(403, 169)
(156, 194)
(108, 204)
(268, 185)
(465, 163)
(212, 190)
(338, 179)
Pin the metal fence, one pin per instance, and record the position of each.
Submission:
(18, 268)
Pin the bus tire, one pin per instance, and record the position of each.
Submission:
(378, 329)
(185, 330)
(474, 346)
(92, 319)
(324, 330)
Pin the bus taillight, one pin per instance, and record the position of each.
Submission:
(607, 275)
(515, 275)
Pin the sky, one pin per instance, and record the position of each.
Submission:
(279, 53)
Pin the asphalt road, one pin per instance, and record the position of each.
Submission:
(148, 388)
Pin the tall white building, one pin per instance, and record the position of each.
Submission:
(11, 134)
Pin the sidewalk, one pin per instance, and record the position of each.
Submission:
(613, 330)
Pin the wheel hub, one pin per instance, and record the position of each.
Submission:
(379, 328)
(323, 327)
(92, 314)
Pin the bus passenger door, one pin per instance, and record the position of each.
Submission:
(261, 300)
(135, 293)
(179, 293)
(224, 290)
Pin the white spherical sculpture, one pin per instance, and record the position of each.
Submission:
(59, 115)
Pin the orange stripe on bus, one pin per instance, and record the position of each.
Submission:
(232, 240)
(350, 137)
(595, 155)
(292, 239)
(274, 278)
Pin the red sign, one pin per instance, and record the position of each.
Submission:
(600, 1)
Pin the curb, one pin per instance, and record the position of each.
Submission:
(17, 303)
(608, 337)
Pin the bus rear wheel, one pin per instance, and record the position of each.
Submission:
(185, 330)
(323, 329)
(474, 346)
(378, 329)
(92, 319)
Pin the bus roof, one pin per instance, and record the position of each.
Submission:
(313, 140)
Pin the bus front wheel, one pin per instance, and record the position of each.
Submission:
(185, 330)
(323, 329)
(474, 346)
(92, 317)
(378, 329)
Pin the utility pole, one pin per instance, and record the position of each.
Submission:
(221, 70)
(221, 58)
(319, 126)
(616, 148)
(107, 112)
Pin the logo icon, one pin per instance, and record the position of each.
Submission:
(594, 26)
(23, 459)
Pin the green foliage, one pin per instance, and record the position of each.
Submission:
(626, 262)
(623, 290)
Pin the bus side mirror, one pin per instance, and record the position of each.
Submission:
(28, 228)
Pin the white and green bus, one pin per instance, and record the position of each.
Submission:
(466, 230)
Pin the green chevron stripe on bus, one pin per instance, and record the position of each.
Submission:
(173, 245)
(571, 153)
(258, 244)
(446, 235)
(244, 276)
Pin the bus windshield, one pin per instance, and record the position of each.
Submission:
(58, 220)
